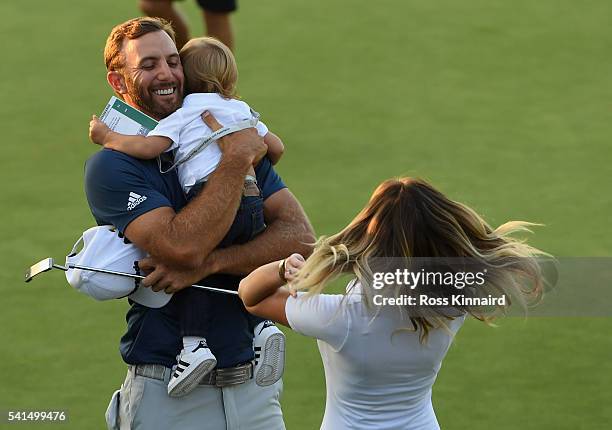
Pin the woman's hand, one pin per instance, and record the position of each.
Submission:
(98, 131)
(293, 264)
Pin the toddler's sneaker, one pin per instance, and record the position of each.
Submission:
(269, 346)
(190, 369)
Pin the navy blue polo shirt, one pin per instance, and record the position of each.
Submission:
(119, 189)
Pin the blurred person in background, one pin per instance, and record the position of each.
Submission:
(215, 13)
(381, 361)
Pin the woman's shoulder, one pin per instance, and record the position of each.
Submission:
(318, 315)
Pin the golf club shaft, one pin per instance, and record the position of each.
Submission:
(133, 275)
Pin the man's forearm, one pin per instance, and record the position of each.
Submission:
(184, 241)
(210, 214)
(201, 225)
(289, 232)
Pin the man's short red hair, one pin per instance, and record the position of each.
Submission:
(132, 29)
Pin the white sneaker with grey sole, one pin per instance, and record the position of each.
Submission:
(269, 347)
(192, 366)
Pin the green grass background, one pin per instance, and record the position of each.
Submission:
(504, 105)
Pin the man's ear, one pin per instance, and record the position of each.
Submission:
(117, 81)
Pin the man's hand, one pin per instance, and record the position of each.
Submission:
(98, 131)
(162, 277)
(244, 144)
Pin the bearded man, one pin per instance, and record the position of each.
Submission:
(144, 69)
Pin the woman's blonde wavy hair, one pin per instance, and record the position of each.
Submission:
(409, 218)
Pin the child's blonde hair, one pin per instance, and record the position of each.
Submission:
(209, 67)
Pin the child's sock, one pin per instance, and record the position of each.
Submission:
(191, 342)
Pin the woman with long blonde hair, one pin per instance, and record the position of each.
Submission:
(381, 354)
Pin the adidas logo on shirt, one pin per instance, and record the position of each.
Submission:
(134, 200)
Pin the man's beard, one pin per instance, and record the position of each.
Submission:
(144, 100)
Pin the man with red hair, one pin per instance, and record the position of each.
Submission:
(144, 69)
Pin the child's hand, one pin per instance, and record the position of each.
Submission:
(293, 264)
(275, 147)
(97, 130)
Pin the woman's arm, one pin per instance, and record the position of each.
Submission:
(141, 147)
(262, 291)
(275, 147)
